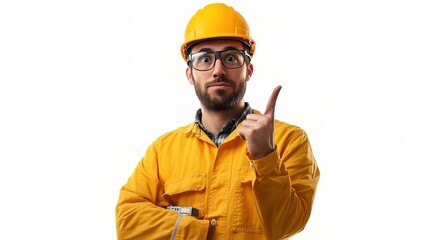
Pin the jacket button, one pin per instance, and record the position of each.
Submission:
(213, 222)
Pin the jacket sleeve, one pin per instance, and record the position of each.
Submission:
(285, 185)
(141, 213)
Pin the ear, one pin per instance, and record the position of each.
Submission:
(249, 71)
(189, 75)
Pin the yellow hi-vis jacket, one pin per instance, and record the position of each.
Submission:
(237, 197)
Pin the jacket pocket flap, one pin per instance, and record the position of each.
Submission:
(185, 184)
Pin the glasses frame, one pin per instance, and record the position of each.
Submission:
(217, 56)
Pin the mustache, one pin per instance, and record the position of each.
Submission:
(220, 80)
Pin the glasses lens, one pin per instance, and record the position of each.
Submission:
(232, 58)
(204, 61)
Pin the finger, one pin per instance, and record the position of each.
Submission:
(242, 137)
(253, 117)
(241, 132)
(271, 105)
(252, 124)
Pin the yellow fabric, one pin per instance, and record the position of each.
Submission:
(268, 198)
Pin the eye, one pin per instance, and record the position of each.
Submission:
(205, 58)
(231, 58)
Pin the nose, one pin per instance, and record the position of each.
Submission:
(218, 68)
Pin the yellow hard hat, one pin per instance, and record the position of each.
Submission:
(216, 20)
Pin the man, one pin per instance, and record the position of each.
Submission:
(234, 173)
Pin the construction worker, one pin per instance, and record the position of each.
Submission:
(234, 172)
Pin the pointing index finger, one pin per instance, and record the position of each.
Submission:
(271, 105)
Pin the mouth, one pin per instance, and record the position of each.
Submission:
(220, 83)
(219, 86)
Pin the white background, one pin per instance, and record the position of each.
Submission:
(86, 86)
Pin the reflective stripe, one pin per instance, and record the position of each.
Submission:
(176, 225)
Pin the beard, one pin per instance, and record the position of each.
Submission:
(220, 101)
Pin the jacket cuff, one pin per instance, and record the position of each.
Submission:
(192, 228)
(268, 165)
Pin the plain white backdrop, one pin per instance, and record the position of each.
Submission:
(86, 86)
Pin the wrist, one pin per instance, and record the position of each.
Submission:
(256, 156)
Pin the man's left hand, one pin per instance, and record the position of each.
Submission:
(258, 130)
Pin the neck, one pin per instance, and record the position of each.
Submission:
(215, 120)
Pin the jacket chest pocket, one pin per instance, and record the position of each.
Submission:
(187, 191)
(245, 215)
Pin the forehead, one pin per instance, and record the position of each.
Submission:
(217, 45)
